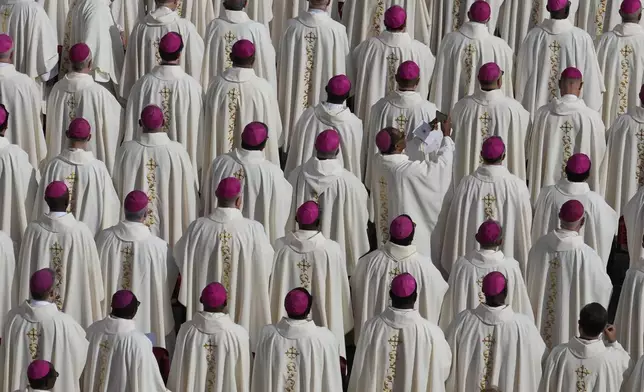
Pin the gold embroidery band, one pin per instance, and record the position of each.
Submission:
(305, 279)
(57, 265)
(553, 82)
(566, 138)
(103, 355)
(390, 378)
(226, 254)
(70, 180)
(230, 39)
(384, 210)
(488, 361)
(5, 17)
(624, 79)
(582, 372)
(291, 370)
(599, 17)
(470, 51)
(126, 268)
(166, 97)
(488, 206)
(551, 303)
(640, 157)
(233, 103)
(456, 14)
(311, 40)
(392, 68)
(211, 376)
(34, 337)
(377, 16)
(485, 129)
(151, 178)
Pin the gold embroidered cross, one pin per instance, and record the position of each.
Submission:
(485, 119)
(210, 346)
(310, 37)
(394, 272)
(156, 52)
(56, 249)
(292, 353)
(402, 122)
(5, 16)
(554, 46)
(394, 341)
(166, 93)
(240, 174)
(105, 345)
(488, 209)
(489, 199)
(225, 236)
(488, 341)
(554, 263)
(470, 49)
(566, 127)
(71, 107)
(640, 135)
(626, 50)
(71, 178)
(479, 282)
(151, 165)
(303, 265)
(233, 94)
(582, 371)
(392, 59)
(127, 252)
(230, 37)
(33, 334)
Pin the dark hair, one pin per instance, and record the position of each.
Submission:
(499, 299)
(403, 302)
(494, 161)
(58, 203)
(258, 147)
(573, 177)
(3, 127)
(46, 382)
(405, 241)
(40, 296)
(165, 56)
(593, 318)
(247, 62)
(336, 99)
(127, 312)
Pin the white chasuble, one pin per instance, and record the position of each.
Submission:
(484, 114)
(8, 288)
(494, 347)
(306, 259)
(563, 127)
(143, 47)
(585, 365)
(22, 98)
(634, 377)
(296, 355)
(343, 205)
(466, 280)
(401, 351)
(563, 276)
(161, 168)
(374, 64)
(57, 11)
(283, 11)
(212, 354)
(78, 95)
(120, 358)
(66, 246)
(600, 226)
(371, 282)
(314, 121)
(234, 99)
(313, 49)
(458, 60)
(38, 330)
(516, 17)
(223, 32)
(611, 19)
(634, 222)
(629, 317)
(128, 14)
(93, 199)
(266, 193)
(547, 51)
(198, 12)
(134, 259)
(225, 247)
(491, 192)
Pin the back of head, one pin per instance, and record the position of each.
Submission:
(571, 215)
(57, 196)
(480, 12)
(558, 9)
(80, 57)
(495, 289)
(214, 298)
(571, 82)
(493, 150)
(319, 4)
(228, 193)
(404, 291)
(489, 234)
(6, 48)
(395, 19)
(338, 89)
(152, 119)
(124, 304)
(242, 54)
(578, 168)
(593, 318)
(41, 375)
(631, 11)
(135, 206)
(170, 47)
(308, 216)
(235, 5)
(390, 140)
(408, 76)
(327, 144)
(490, 76)
(254, 136)
(79, 132)
(402, 230)
(298, 303)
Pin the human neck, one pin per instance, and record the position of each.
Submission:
(243, 66)
(6, 61)
(586, 337)
(78, 146)
(175, 62)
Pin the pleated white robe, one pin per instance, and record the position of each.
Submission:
(632, 214)
(57, 11)
(40, 331)
(8, 288)
(93, 198)
(416, 348)
(516, 17)
(283, 11)
(211, 347)
(494, 347)
(266, 192)
(371, 282)
(66, 246)
(304, 258)
(563, 276)
(629, 316)
(458, 60)
(611, 19)
(198, 12)
(161, 168)
(634, 378)
(134, 259)
(128, 14)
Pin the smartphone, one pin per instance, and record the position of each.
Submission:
(440, 117)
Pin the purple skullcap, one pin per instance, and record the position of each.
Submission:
(327, 141)
(642, 93)
(79, 53)
(339, 85)
(228, 188)
(42, 281)
(480, 11)
(383, 140)
(79, 129)
(489, 72)
(571, 73)
(403, 285)
(6, 43)
(135, 201)
(56, 189)
(493, 148)
(152, 117)
(296, 302)
(243, 49)
(214, 295)
(3, 115)
(493, 284)
(395, 17)
(171, 43)
(578, 164)
(489, 232)
(556, 5)
(408, 70)
(255, 134)
(401, 227)
(630, 7)
(308, 213)
(122, 299)
(38, 369)
(572, 211)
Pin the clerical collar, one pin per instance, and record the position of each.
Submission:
(238, 74)
(3, 65)
(232, 16)
(572, 188)
(556, 26)
(474, 30)
(487, 97)
(154, 139)
(250, 156)
(333, 108)
(168, 71)
(316, 11)
(628, 29)
(57, 214)
(39, 304)
(398, 252)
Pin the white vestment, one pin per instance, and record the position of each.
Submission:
(611, 19)
(491, 192)
(600, 226)
(494, 346)
(582, 364)
(8, 288)
(283, 11)
(371, 282)
(458, 60)
(548, 49)
(343, 204)
(134, 259)
(225, 247)
(93, 199)
(129, 13)
(120, 358)
(143, 47)
(466, 280)
(563, 127)
(234, 99)
(57, 11)
(563, 276)
(515, 19)
(629, 316)
(634, 379)
(313, 49)
(161, 168)
(266, 193)
(374, 64)
(634, 221)
(296, 355)
(198, 12)
(314, 121)
(66, 246)
(78, 95)
(306, 259)
(402, 351)
(484, 114)
(40, 331)
(211, 347)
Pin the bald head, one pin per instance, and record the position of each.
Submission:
(570, 86)
(235, 5)
(398, 141)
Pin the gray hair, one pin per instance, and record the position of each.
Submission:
(77, 67)
(136, 216)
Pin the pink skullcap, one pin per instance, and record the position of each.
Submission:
(339, 85)
(228, 188)
(327, 141)
(3, 114)
(79, 53)
(480, 11)
(630, 6)
(135, 201)
(296, 302)
(56, 189)
(308, 213)
(122, 299)
(214, 295)
(395, 17)
(556, 5)
(79, 129)
(489, 232)
(38, 369)
(571, 211)
(383, 140)
(489, 72)
(255, 134)
(243, 49)
(42, 281)
(403, 285)
(578, 164)
(493, 284)
(171, 43)
(6, 43)
(152, 117)
(571, 73)
(401, 227)
(493, 148)
(408, 70)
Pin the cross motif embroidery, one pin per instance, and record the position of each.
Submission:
(291, 370)
(393, 341)
(71, 181)
(551, 288)
(624, 79)
(128, 258)
(227, 256)
(311, 40)
(582, 372)
(535, 12)
(57, 264)
(34, 337)
(479, 282)
(71, 107)
(292, 353)
(230, 39)
(485, 123)
(240, 174)
(5, 18)
(488, 360)
(151, 178)
(640, 157)
(233, 103)
(104, 349)
(456, 14)
(166, 96)
(305, 280)
(599, 17)
(394, 272)
(212, 369)
(392, 66)
(377, 16)
(384, 210)
(156, 52)
(402, 121)
(488, 208)
(566, 138)
(470, 51)
(553, 82)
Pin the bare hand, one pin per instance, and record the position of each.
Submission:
(610, 333)
(446, 126)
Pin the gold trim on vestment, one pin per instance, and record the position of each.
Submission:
(34, 337)
(488, 206)
(103, 355)
(488, 361)
(390, 378)
(551, 303)
(151, 178)
(166, 96)
(291, 370)
(624, 79)
(227, 255)
(553, 82)
(233, 106)
(211, 375)
(126, 268)
(57, 265)
(229, 38)
(311, 40)
(566, 139)
(469, 63)
(383, 221)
